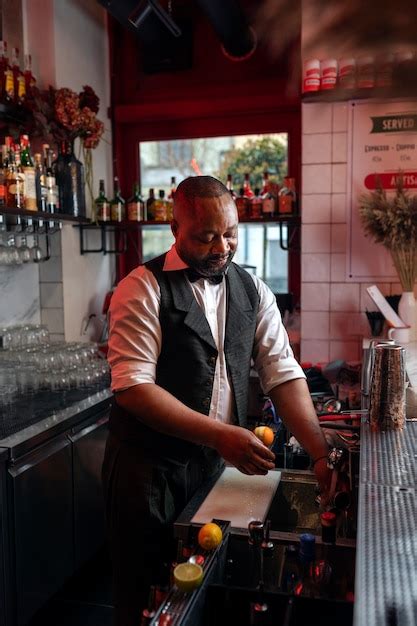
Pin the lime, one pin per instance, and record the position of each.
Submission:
(210, 536)
(188, 576)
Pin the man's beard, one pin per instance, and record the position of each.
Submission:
(208, 267)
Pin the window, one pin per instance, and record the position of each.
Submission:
(259, 247)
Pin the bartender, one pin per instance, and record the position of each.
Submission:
(184, 328)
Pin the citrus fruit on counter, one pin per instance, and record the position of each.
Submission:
(265, 434)
(210, 536)
(188, 576)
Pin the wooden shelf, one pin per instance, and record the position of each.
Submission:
(41, 215)
(374, 93)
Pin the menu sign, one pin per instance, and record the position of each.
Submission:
(382, 143)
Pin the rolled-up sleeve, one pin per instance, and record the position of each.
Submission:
(272, 354)
(134, 330)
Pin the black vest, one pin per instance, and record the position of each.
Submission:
(188, 356)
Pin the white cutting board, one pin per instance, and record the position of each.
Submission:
(239, 498)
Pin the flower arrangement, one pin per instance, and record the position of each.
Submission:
(63, 115)
(392, 221)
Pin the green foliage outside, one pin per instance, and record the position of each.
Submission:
(256, 156)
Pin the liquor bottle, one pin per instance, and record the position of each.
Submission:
(14, 181)
(136, 206)
(247, 189)
(287, 198)
(160, 207)
(40, 182)
(18, 78)
(8, 79)
(242, 205)
(229, 185)
(117, 203)
(3, 169)
(30, 80)
(4, 63)
(28, 171)
(268, 198)
(256, 205)
(149, 204)
(170, 199)
(53, 192)
(265, 183)
(102, 205)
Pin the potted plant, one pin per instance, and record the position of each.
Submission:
(392, 221)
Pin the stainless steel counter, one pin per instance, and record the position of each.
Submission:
(386, 562)
(56, 421)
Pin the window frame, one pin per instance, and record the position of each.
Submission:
(195, 119)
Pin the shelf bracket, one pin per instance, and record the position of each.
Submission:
(83, 248)
(287, 246)
(121, 243)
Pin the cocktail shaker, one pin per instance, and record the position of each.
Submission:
(387, 388)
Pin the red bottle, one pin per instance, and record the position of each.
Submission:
(247, 189)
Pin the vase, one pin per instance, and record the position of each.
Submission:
(69, 172)
(407, 312)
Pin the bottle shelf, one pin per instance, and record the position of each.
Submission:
(132, 225)
(374, 93)
(126, 226)
(41, 215)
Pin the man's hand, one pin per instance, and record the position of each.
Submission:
(244, 450)
(323, 475)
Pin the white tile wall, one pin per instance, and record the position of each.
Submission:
(316, 178)
(51, 295)
(338, 238)
(51, 270)
(339, 148)
(54, 320)
(340, 117)
(315, 267)
(315, 324)
(315, 350)
(338, 267)
(339, 178)
(317, 148)
(315, 297)
(317, 118)
(316, 238)
(316, 208)
(333, 308)
(338, 208)
(344, 297)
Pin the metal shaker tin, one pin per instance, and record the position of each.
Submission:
(387, 388)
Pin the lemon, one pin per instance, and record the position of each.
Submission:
(210, 536)
(265, 434)
(188, 576)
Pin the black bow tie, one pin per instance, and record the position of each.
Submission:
(193, 276)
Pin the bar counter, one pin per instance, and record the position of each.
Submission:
(386, 558)
(51, 500)
(34, 422)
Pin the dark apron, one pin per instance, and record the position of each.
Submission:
(144, 495)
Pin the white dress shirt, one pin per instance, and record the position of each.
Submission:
(135, 335)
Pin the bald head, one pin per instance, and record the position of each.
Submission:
(192, 188)
(205, 224)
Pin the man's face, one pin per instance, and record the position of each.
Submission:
(207, 239)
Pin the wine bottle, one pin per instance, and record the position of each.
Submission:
(117, 203)
(101, 204)
(29, 174)
(150, 204)
(135, 205)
